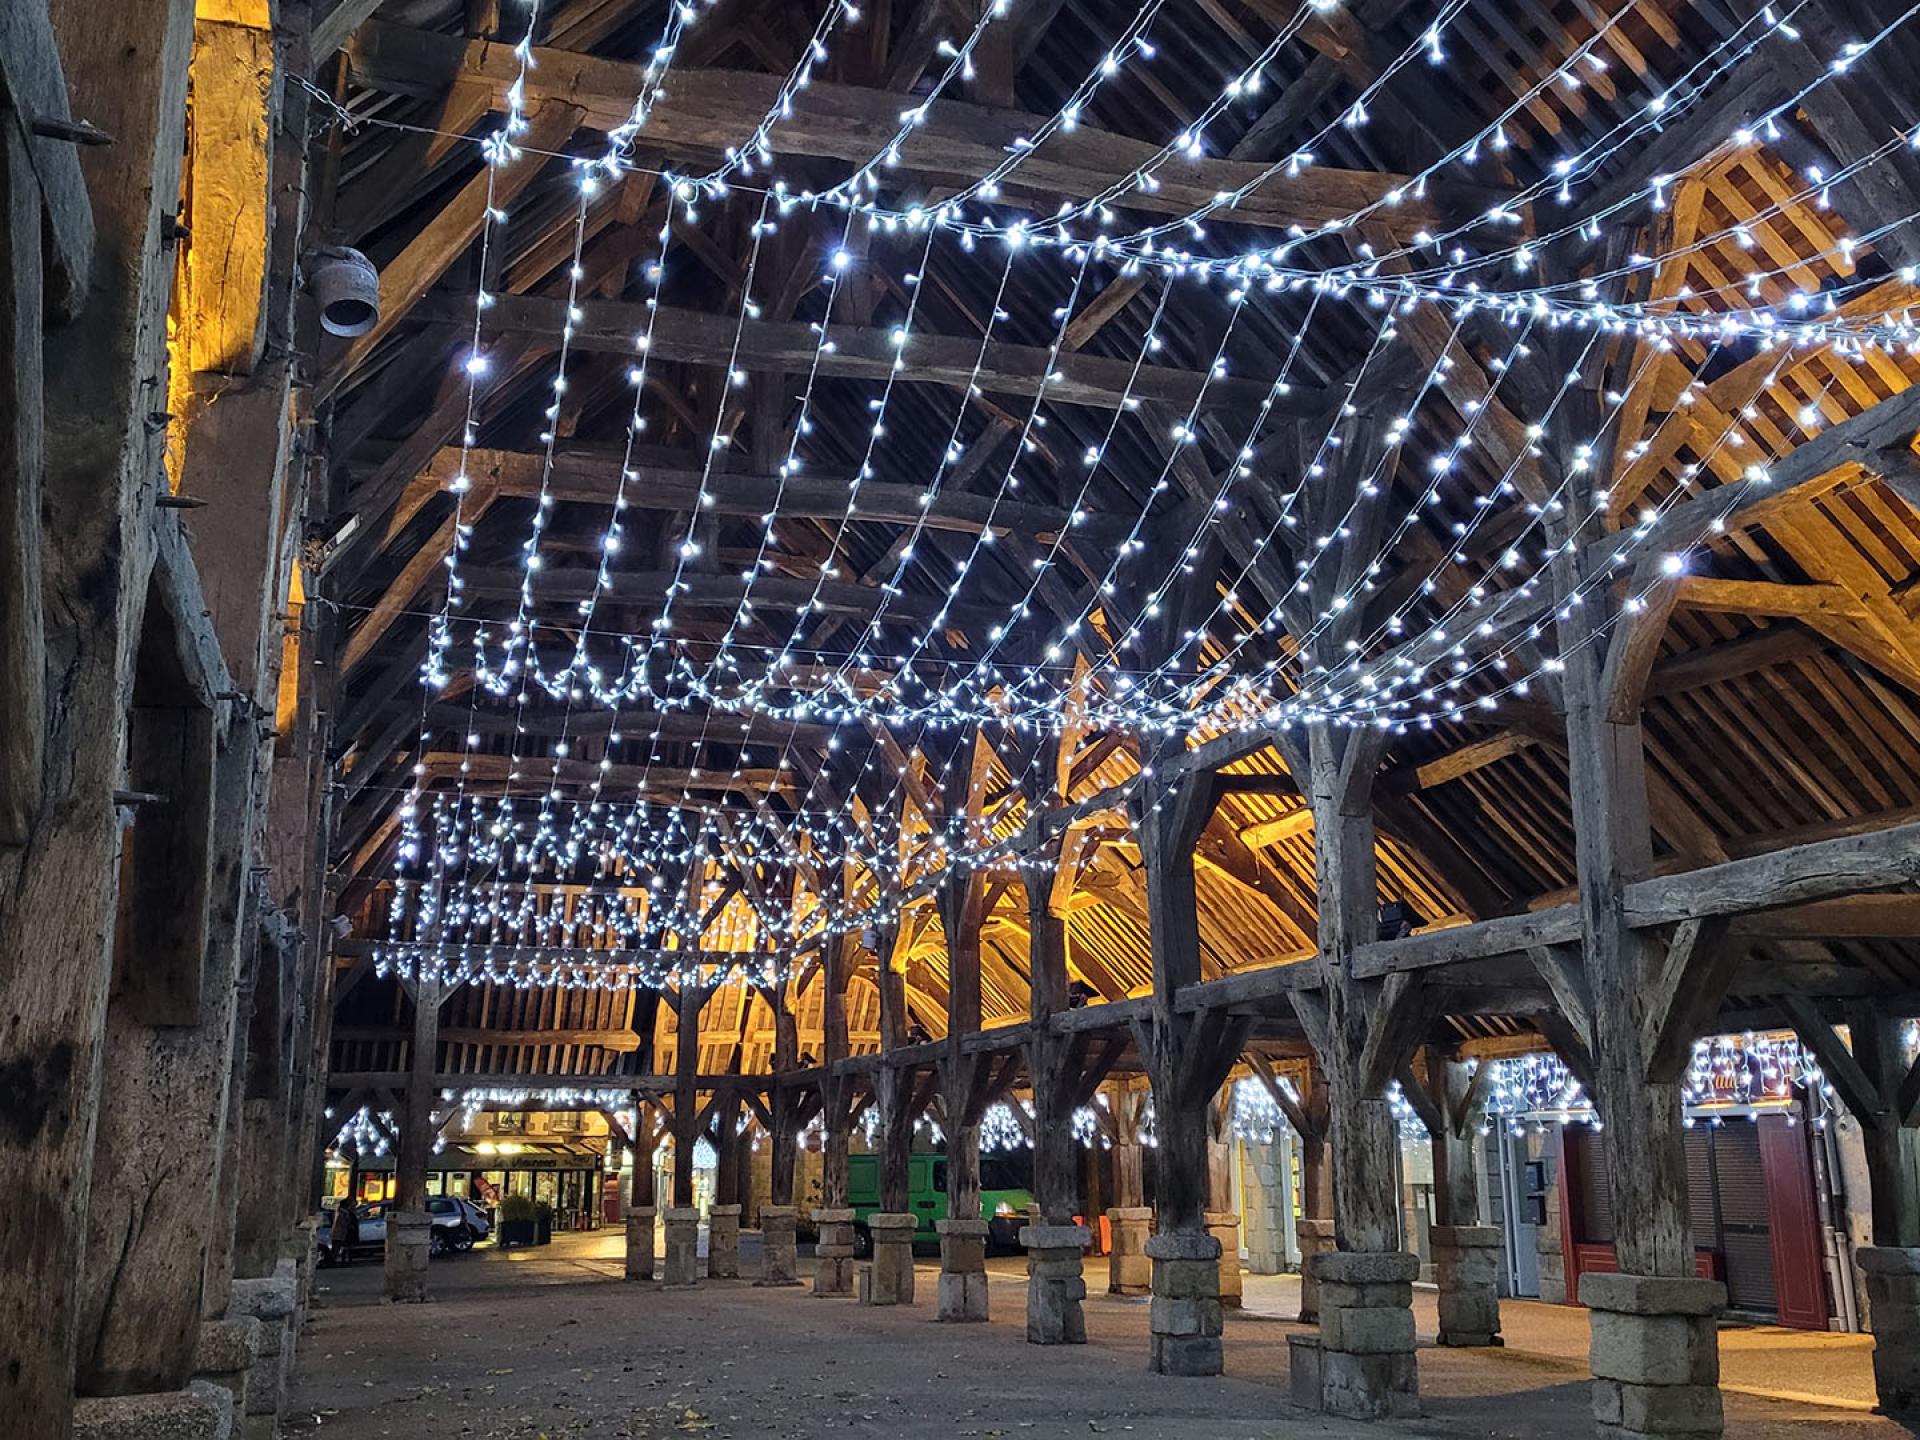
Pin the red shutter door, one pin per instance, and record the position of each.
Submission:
(1800, 1281)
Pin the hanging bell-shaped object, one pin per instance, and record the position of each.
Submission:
(347, 289)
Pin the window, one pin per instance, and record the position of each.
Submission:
(510, 1122)
(564, 1122)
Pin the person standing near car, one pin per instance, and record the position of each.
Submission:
(346, 1231)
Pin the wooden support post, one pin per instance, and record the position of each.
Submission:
(269, 1102)
(963, 1234)
(833, 1253)
(643, 1209)
(1448, 1094)
(1223, 1220)
(723, 1213)
(1881, 1090)
(58, 894)
(408, 1223)
(1359, 1029)
(1057, 1075)
(1307, 1113)
(689, 999)
(783, 1099)
(23, 640)
(159, 1150)
(1186, 1059)
(1656, 1292)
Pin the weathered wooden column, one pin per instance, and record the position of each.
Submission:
(87, 280)
(889, 1277)
(269, 1105)
(833, 1251)
(643, 1209)
(723, 1212)
(1313, 1232)
(963, 1233)
(1223, 1220)
(682, 1262)
(169, 1051)
(409, 1226)
(1187, 1057)
(1057, 1074)
(1882, 1091)
(1359, 1031)
(1129, 1218)
(780, 1261)
(1448, 1094)
(1655, 1353)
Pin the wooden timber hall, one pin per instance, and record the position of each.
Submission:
(928, 717)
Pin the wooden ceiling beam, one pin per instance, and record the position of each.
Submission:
(596, 479)
(860, 352)
(956, 143)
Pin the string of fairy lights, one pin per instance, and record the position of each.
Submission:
(1487, 276)
(1732, 1077)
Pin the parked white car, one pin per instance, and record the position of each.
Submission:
(457, 1224)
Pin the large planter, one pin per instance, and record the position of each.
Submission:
(518, 1232)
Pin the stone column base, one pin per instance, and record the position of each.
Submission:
(682, 1267)
(409, 1243)
(1466, 1265)
(1655, 1354)
(273, 1300)
(1315, 1237)
(640, 1241)
(225, 1355)
(1184, 1327)
(1129, 1271)
(1055, 1284)
(779, 1252)
(723, 1242)
(890, 1276)
(1224, 1226)
(202, 1411)
(833, 1255)
(963, 1269)
(1366, 1333)
(1893, 1305)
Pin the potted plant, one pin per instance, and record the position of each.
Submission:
(517, 1220)
(543, 1224)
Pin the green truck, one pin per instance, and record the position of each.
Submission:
(1005, 1196)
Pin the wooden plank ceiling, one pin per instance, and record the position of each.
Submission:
(1782, 686)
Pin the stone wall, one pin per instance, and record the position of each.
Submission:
(1266, 1224)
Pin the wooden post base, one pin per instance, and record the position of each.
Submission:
(1655, 1354)
(723, 1242)
(640, 1241)
(889, 1278)
(1367, 1369)
(1315, 1237)
(1893, 1297)
(963, 1270)
(1129, 1272)
(682, 1266)
(1466, 1266)
(1055, 1284)
(833, 1254)
(779, 1250)
(409, 1244)
(1185, 1326)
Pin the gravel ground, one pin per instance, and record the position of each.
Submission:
(553, 1345)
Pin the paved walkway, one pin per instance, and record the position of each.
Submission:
(552, 1343)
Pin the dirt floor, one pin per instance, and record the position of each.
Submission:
(553, 1343)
